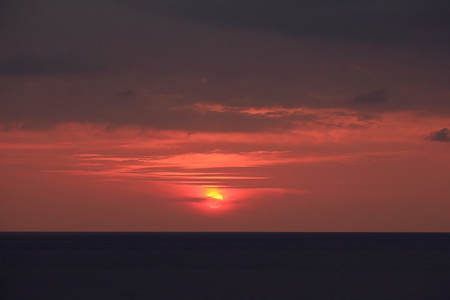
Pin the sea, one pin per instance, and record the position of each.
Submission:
(212, 265)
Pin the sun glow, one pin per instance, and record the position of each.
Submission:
(215, 199)
(215, 195)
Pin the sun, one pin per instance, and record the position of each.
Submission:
(215, 195)
(215, 199)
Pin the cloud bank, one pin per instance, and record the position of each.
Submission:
(151, 64)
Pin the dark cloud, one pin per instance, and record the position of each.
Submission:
(132, 111)
(164, 56)
(376, 97)
(41, 65)
(384, 22)
(442, 135)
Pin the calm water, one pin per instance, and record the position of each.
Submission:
(224, 266)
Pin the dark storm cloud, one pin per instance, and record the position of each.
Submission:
(41, 65)
(385, 22)
(442, 135)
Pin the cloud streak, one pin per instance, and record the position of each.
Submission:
(202, 169)
(128, 108)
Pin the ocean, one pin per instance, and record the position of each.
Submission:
(128, 265)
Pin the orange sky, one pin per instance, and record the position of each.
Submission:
(127, 118)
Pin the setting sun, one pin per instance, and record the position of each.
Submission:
(215, 199)
(215, 195)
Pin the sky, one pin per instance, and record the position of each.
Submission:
(225, 115)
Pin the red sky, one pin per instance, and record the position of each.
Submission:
(303, 116)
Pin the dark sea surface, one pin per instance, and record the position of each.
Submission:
(225, 266)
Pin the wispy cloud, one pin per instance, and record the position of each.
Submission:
(214, 168)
